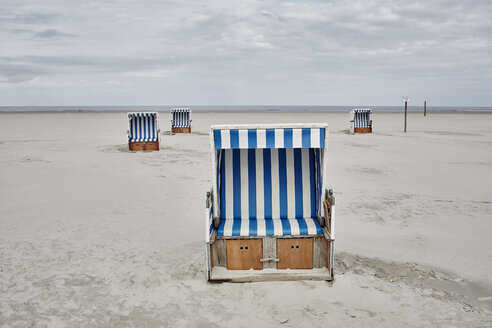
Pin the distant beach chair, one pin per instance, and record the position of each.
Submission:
(181, 121)
(360, 121)
(268, 209)
(143, 131)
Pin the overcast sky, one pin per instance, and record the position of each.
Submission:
(370, 52)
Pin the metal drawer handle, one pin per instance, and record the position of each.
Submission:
(269, 259)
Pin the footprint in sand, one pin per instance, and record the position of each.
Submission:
(360, 313)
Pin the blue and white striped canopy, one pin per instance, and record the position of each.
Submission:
(181, 117)
(269, 138)
(143, 127)
(269, 180)
(361, 117)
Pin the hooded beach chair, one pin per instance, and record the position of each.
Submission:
(143, 131)
(360, 121)
(268, 209)
(181, 121)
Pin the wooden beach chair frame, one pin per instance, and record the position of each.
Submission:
(143, 131)
(360, 120)
(285, 251)
(181, 120)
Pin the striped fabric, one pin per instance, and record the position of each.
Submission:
(361, 117)
(269, 227)
(269, 179)
(210, 223)
(269, 138)
(267, 183)
(276, 187)
(181, 117)
(143, 127)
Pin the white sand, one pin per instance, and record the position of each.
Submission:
(93, 235)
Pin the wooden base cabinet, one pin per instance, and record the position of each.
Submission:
(143, 146)
(181, 130)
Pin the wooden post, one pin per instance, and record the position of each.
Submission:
(405, 130)
(425, 107)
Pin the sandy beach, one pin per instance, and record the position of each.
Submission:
(92, 235)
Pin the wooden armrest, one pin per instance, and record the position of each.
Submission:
(327, 210)
(212, 236)
(327, 235)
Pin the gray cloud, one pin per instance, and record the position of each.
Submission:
(21, 31)
(252, 52)
(50, 34)
(13, 13)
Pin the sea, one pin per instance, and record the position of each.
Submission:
(223, 108)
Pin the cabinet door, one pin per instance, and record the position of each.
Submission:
(295, 253)
(151, 146)
(244, 254)
(136, 146)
